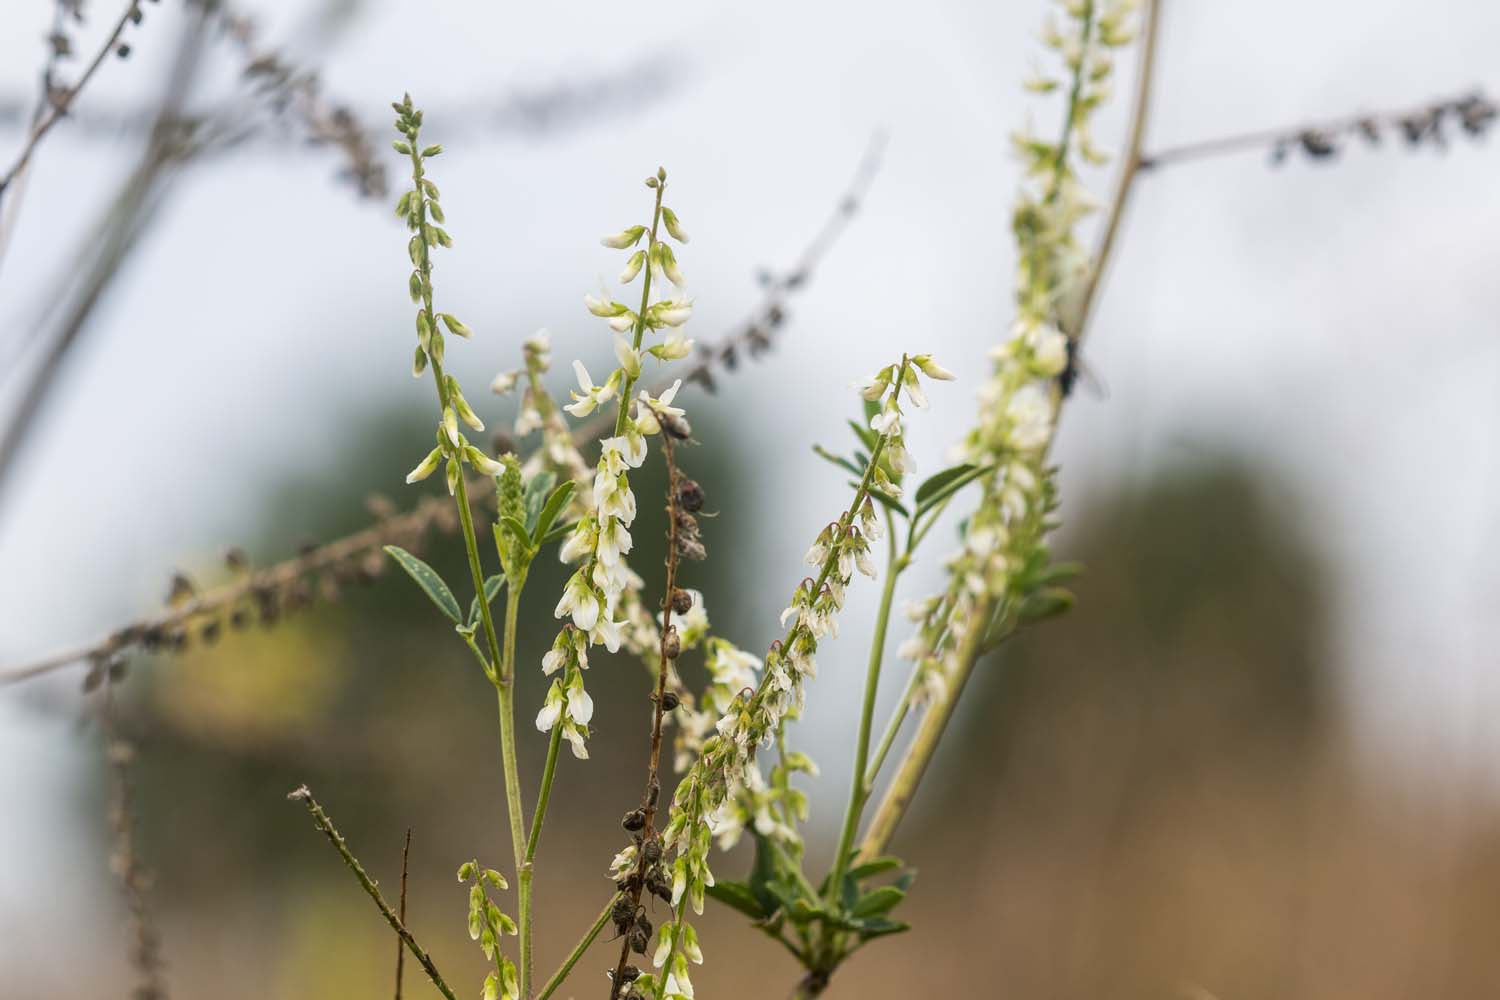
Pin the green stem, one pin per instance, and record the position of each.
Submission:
(904, 785)
(859, 788)
(578, 950)
(640, 319)
(502, 661)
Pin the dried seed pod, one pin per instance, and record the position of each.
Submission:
(671, 644)
(690, 495)
(669, 701)
(682, 601)
(658, 885)
(639, 940)
(630, 975)
(634, 820)
(651, 851)
(623, 914)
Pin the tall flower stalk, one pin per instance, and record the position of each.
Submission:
(1002, 577)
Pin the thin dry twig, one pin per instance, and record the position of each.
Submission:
(326, 827)
(284, 585)
(1474, 113)
(124, 861)
(59, 102)
(400, 949)
(648, 846)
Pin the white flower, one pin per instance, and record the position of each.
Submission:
(1049, 350)
(574, 735)
(1030, 416)
(608, 633)
(580, 705)
(647, 408)
(551, 709)
(426, 467)
(580, 542)
(580, 601)
(674, 347)
(592, 395)
(886, 421)
(613, 542)
(504, 382)
(632, 267)
(528, 420)
(604, 307)
(629, 357)
(932, 369)
(672, 312)
(623, 322)
(625, 238)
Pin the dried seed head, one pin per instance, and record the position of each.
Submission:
(682, 601)
(690, 495)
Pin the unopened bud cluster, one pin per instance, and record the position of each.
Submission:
(487, 925)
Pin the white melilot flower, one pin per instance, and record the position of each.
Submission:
(426, 467)
(932, 369)
(504, 382)
(885, 421)
(579, 601)
(580, 705)
(1030, 415)
(673, 312)
(623, 322)
(632, 267)
(1049, 349)
(647, 408)
(625, 238)
(551, 709)
(604, 307)
(528, 420)
(579, 543)
(674, 347)
(592, 395)
(629, 357)
(608, 633)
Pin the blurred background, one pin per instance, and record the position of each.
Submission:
(1255, 760)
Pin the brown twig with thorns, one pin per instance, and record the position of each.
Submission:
(684, 497)
(284, 586)
(326, 827)
(124, 862)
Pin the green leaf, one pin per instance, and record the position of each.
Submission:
(839, 460)
(427, 578)
(553, 507)
(536, 495)
(875, 866)
(931, 492)
(737, 895)
(938, 480)
(491, 590)
(866, 436)
(880, 926)
(1060, 572)
(878, 901)
(1045, 603)
(558, 531)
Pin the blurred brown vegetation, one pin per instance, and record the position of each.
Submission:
(1152, 797)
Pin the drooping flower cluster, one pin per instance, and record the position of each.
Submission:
(724, 789)
(1019, 403)
(602, 592)
(487, 925)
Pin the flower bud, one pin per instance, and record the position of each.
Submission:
(426, 468)
(673, 226)
(625, 238)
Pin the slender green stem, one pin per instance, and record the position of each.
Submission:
(548, 771)
(640, 319)
(859, 789)
(578, 950)
(503, 663)
(325, 825)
